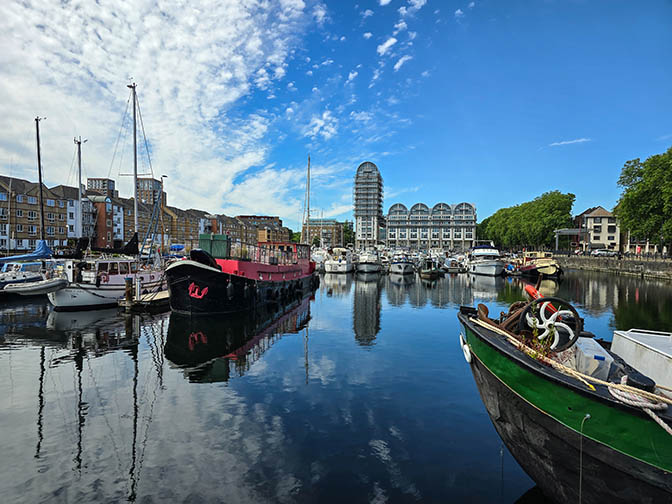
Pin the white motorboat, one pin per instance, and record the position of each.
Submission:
(486, 260)
(36, 288)
(452, 265)
(401, 264)
(340, 261)
(100, 282)
(369, 262)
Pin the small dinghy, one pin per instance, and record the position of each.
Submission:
(36, 288)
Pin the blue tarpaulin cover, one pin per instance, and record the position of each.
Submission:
(42, 251)
(176, 247)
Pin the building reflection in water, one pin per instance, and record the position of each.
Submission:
(213, 349)
(366, 307)
(336, 284)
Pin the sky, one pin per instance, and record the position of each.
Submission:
(488, 102)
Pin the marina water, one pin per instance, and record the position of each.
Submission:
(360, 393)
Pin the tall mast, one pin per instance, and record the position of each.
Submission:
(135, 161)
(78, 222)
(308, 201)
(39, 174)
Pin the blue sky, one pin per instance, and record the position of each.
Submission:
(489, 102)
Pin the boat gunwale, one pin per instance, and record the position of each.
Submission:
(520, 358)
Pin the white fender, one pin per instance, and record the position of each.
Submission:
(465, 349)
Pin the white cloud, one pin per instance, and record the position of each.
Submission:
(342, 39)
(368, 35)
(385, 46)
(425, 73)
(400, 26)
(361, 116)
(309, 72)
(320, 13)
(459, 13)
(413, 7)
(325, 125)
(71, 65)
(351, 76)
(412, 35)
(472, 5)
(376, 76)
(401, 62)
(568, 142)
(383, 3)
(367, 13)
(327, 62)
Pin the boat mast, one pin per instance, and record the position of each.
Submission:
(9, 217)
(78, 222)
(308, 201)
(39, 174)
(135, 160)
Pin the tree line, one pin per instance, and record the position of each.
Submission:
(645, 206)
(530, 224)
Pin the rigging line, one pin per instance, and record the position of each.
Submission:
(72, 164)
(144, 136)
(109, 172)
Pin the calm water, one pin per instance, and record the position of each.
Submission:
(360, 394)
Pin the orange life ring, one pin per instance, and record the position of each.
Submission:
(104, 277)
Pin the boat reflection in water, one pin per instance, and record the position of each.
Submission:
(397, 287)
(212, 349)
(486, 287)
(337, 284)
(366, 307)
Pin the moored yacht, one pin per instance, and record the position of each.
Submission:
(486, 260)
(369, 262)
(340, 261)
(401, 264)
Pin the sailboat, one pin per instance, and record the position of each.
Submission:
(20, 276)
(99, 282)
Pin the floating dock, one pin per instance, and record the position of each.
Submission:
(152, 302)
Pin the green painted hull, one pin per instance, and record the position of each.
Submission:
(543, 429)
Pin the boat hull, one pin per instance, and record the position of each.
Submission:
(548, 270)
(368, 268)
(197, 289)
(82, 296)
(402, 268)
(338, 267)
(487, 268)
(620, 454)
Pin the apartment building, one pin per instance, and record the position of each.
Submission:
(328, 231)
(368, 205)
(600, 229)
(444, 226)
(20, 215)
(70, 195)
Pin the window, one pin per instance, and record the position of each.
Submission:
(123, 268)
(611, 220)
(596, 237)
(3, 243)
(32, 230)
(108, 223)
(61, 230)
(610, 238)
(611, 229)
(61, 217)
(597, 220)
(3, 228)
(50, 216)
(19, 212)
(71, 215)
(71, 203)
(32, 215)
(50, 230)
(3, 213)
(20, 198)
(51, 202)
(71, 228)
(32, 200)
(31, 243)
(597, 229)
(61, 203)
(3, 196)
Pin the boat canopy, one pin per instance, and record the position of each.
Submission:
(42, 251)
(177, 247)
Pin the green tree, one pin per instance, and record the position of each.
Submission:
(530, 224)
(348, 233)
(296, 237)
(645, 206)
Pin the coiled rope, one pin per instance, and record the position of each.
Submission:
(636, 400)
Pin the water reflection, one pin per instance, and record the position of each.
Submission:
(337, 284)
(210, 349)
(366, 307)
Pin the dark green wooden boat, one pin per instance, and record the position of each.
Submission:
(579, 443)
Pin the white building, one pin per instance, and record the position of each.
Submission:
(602, 230)
(448, 227)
